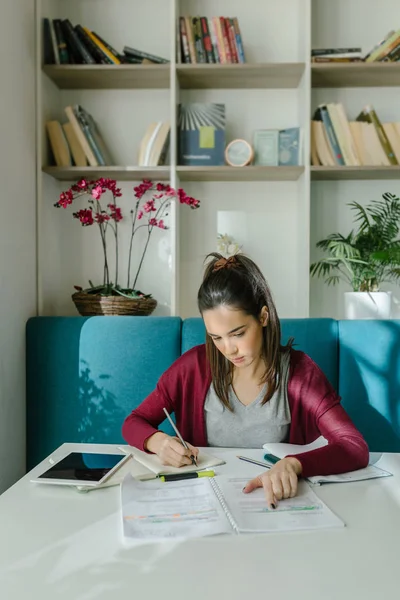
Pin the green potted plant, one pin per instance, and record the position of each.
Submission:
(152, 201)
(366, 258)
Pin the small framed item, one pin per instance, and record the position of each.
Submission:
(90, 469)
(239, 153)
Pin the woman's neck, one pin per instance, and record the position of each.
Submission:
(254, 372)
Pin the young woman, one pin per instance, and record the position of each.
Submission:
(243, 389)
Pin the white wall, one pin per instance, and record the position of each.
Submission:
(17, 226)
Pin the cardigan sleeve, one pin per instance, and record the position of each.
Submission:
(320, 412)
(145, 419)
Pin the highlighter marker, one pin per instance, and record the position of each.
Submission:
(180, 476)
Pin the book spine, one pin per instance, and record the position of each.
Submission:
(54, 43)
(225, 39)
(62, 45)
(220, 39)
(239, 41)
(91, 46)
(198, 40)
(141, 54)
(107, 45)
(232, 40)
(383, 49)
(114, 60)
(48, 51)
(330, 132)
(184, 40)
(69, 111)
(207, 40)
(89, 136)
(86, 57)
(74, 56)
(371, 116)
(213, 36)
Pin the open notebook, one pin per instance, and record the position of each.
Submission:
(153, 465)
(154, 511)
(281, 450)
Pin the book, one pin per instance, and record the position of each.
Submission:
(48, 50)
(58, 144)
(155, 467)
(139, 53)
(92, 160)
(335, 51)
(290, 146)
(62, 46)
(266, 147)
(369, 115)
(75, 147)
(321, 114)
(282, 449)
(201, 134)
(193, 508)
(154, 145)
(94, 137)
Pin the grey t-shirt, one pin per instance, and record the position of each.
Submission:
(249, 426)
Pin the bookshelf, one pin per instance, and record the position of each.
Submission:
(109, 77)
(355, 75)
(277, 87)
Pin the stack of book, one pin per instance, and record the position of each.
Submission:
(65, 44)
(335, 141)
(210, 40)
(77, 142)
(387, 50)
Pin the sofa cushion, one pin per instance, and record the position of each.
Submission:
(316, 337)
(369, 380)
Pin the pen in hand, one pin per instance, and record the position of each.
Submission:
(184, 444)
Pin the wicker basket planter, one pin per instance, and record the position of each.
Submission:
(94, 304)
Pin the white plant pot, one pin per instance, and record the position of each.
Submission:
(367, 305)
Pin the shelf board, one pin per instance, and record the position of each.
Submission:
(250, 173)
(240, 76)
(376, 74)
(107, 77)
(118, 173)
(354, 173)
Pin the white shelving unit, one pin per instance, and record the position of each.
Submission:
(276, 214)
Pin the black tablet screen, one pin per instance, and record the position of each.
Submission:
(83, 466)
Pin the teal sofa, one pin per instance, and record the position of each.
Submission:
(84, 375)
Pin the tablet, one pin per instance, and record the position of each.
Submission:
(83, 468)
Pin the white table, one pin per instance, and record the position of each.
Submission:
(58, 544)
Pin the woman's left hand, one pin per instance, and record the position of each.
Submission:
(279, 482)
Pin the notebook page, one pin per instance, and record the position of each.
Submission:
(251, 513)
(281, 449)
(370, 472)
(153, 510)
(154, 464)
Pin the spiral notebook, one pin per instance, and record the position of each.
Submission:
(153, 511)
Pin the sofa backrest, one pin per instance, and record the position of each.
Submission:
(369, 383)
(84, 375)
(316, 337)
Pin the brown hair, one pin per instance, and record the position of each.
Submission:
(237, 282)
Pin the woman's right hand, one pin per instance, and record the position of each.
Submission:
(170, 450)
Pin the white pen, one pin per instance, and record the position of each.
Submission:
(184, 444)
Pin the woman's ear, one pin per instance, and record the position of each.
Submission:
(264, 316)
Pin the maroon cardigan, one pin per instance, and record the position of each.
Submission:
(314, 406)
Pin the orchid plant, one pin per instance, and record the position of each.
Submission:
(152, 201)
